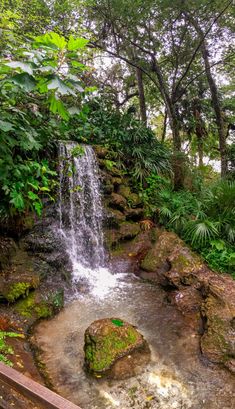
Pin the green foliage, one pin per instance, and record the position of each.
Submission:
(39, 83)
(205, 219)
(134, 146)
(6, 349)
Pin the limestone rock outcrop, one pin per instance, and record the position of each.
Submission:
(115, 349)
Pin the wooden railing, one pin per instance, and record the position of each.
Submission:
(39, 394)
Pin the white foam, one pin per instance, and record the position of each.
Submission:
(99, 280)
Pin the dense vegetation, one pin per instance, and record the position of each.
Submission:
(153, 81)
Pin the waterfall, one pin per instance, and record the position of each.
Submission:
(81, 216)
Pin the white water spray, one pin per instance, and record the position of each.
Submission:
(81, 217)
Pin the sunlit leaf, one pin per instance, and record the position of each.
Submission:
(76, 43)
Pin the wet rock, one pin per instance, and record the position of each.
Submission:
(116, 181)
(117, 201)
(19, 277)
(115, 217)
(160, 251)
(135, 200)
(129, 230)
(123, 231)
(206, 298)
(218, 310)
(46, 241)
(8, 248)
(134, 214)
(124, 190)
(115, 349)
(40, 304)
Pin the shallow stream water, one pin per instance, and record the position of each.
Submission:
(176, 377)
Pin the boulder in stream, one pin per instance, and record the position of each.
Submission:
(114, 349)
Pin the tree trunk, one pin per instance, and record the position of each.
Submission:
(178, 162)
(214, 98)
(143, 115)
(164, 126)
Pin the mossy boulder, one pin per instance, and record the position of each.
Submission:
(19, 277)
(115, 349)
(117, 201)
(124, 190)
(123, 231)
(134, 214)
(129, 230)
(40, 305)
(218, 311)
(115, 217)
(156, 257)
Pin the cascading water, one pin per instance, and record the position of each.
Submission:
(81, 216)
(176, 377)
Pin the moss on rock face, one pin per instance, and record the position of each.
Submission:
(17, 290)
(106, 341)
(36, 306)
(30, 307)
(129, 230)
(159, 253)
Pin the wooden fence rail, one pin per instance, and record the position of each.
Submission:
(33, 390)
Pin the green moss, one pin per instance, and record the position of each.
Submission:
(29, 307)
(6, 349)
(101, 354)
(17, 290)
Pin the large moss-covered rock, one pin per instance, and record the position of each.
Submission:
(160, 251)
(114, 348)
(206, 298)
(123, 231)
(218, 310)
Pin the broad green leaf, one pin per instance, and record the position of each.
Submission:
(51, 40)
(77, 64)
(25, 81)
(76, 85)
(32, 195)
(22, 65)
(57, 107)
(76, 43)
(38, 207)
(60, 86)
(17, 200)
(6, 126)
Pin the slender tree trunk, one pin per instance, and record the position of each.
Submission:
(214, 98)
(200, 129)
(164, 126)
(178, 162)
(139, 76)
(200, 151)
